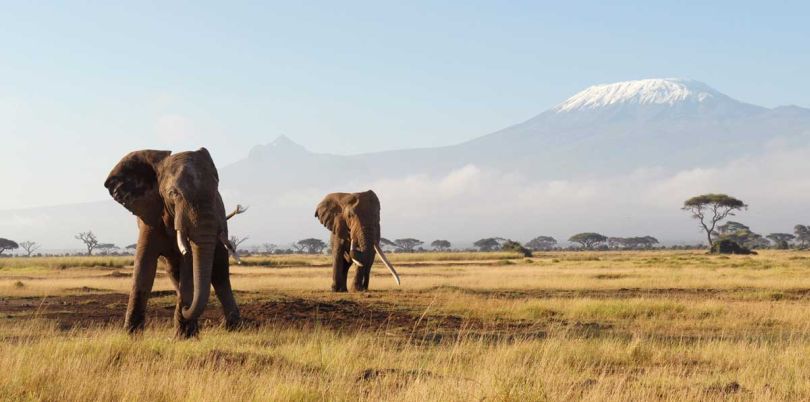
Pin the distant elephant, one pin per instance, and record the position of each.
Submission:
(181, 218)
(354, 220)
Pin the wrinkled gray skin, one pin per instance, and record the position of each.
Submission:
(351, 216)
(170, 194)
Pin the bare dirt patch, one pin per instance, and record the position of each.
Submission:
(344, 315)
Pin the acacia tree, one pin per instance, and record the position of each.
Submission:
(131, 248)
(488, 244)
(588, 239)
(802, 234)
(781, 240)
(6, 244)
(710, 209)
(441, 245)
(633, 243)
(89, 239)
(511, 245)
(298, 248)
(407, 244)
(30, 247)
(541, 243)
(106, 247)
(269, 248)
(740, 234)
(312, 245)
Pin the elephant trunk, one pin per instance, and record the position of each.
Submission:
(202, 252)
(361, 244)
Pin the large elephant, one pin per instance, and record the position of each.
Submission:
(354, 220)
(181, 219)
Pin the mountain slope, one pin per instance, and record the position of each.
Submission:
(603, 130)
(541, 173)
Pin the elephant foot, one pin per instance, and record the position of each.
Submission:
(134, 323)
(184, 329)
(360, 288)
(187, 329)
(338, 289)
(233, 322)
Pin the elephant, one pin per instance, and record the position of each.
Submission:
(181, 220)
(354, 220)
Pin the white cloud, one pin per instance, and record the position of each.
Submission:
(472, 202)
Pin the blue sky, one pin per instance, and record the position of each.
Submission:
(82, 84)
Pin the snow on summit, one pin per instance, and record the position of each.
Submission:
(651, 91)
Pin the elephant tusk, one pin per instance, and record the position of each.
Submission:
(182, 243)
(228, 245)
(351, 253)
(387, 263)
(239, 209)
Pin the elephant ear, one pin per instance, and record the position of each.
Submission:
(330, 213)
(133, 184)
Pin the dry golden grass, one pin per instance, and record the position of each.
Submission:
(558, 326)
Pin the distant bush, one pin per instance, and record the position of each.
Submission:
(726, 246)
(511, 245)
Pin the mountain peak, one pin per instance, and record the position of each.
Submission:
(661, 91)
(282, 145)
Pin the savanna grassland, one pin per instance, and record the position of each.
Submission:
(659, 325)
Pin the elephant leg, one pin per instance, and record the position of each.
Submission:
(174, 264)
(146, 256)
(361, 278)
(366, 276)
(340, 267)
(222, 286)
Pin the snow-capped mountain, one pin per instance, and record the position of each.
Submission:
(663, 123)
(667, 91)
(600, 134)
(604, 130)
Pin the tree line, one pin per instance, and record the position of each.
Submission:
(710, 210)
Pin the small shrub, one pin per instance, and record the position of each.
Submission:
(727, 246)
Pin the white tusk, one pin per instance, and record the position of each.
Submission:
(387, 263)
(239, 209)
(182, 243)
(229, 247)
(351, 253)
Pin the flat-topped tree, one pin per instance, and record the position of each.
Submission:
(106, 247)
(6, 244)
(740, 234)
(541, 243)
(710, 209)
(312, 245)
(441, 245)
(588, 239)
(802, 234)
(511, 245)
(781, 240)
(488, 244)
(407, 245)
